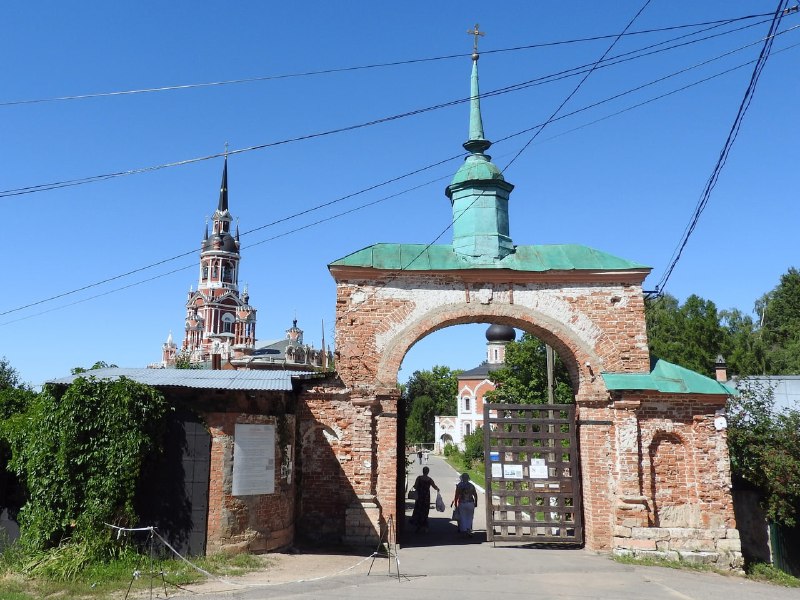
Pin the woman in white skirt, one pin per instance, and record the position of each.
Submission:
(465, 501)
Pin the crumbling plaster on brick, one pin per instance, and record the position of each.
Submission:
(574, 351)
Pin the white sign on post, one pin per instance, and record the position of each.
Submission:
(253, 459)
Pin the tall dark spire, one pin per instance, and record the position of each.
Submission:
(223, 188)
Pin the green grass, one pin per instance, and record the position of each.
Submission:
(652, 561)
(757, 572)
(476, 473)
(770, 574)
(55, 574)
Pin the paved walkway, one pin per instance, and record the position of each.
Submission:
(440, 564)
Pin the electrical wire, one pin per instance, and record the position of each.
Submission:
(575, 90)
(508, 89)
(411, 173)
(376, 186)
(733, 133)
(450, 225)
(316, 72)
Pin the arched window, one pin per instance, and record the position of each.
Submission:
(467, 428)
(205, 272)
(227, 323)
(466, 404)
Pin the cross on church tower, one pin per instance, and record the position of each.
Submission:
(475, 32)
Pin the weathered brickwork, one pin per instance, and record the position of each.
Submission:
(655, 472)
(257, 523)
(675, 495)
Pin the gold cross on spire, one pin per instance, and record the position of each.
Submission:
(475, 32)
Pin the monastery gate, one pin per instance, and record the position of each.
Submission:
(655, 475)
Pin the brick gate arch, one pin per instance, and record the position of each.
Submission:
(594, 319)
(588, 305)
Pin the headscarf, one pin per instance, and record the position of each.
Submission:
(464, 483)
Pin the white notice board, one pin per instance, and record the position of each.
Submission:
(253, 459)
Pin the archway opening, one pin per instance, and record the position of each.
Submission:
(445, 379)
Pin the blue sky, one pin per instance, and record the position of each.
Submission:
(626, 185)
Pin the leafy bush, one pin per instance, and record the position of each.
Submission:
(473, 446)
(79, 453)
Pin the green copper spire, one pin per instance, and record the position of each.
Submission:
(476, 141)
(478, 192)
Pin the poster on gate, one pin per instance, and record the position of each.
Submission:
(538, 468)
(512, 471)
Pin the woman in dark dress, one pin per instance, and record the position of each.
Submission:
(422, 505)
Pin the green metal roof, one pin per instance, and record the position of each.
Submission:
(477, 167)
(419, 257)
(667, 378)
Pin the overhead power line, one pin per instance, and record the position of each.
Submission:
(631, 55)
(376, 186)
(780, 11)
(577, 87)
(539, 130)
(331, 71)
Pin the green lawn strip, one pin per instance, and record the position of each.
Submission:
(757, 572)
(771, 574)
(476, 473)
(103, 579)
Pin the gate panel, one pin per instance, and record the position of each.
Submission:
(532, 473)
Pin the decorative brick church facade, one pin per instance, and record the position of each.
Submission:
(219, 320)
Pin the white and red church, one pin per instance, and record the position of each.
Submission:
(472, 388)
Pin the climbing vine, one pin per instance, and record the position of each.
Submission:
(79, 453)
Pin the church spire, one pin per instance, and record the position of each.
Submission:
(476, 141)
(478, 192)
(223, 188)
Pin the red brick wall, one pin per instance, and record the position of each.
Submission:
(255, 523)
(595, 325)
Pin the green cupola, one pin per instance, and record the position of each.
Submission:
(479, 193)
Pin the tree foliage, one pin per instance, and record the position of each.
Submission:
(473, 447)
(425, 395)
(781, 324)
(689, 335)
(440, 384)
(765, 449)
(100, 364)
(420, 423)
(79, 453)
(9, 378)
(523, 378)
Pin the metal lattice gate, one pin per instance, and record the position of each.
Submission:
(533, 491)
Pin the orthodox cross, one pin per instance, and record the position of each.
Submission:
(475, 32)
(226, 149)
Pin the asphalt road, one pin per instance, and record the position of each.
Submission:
(441, 564)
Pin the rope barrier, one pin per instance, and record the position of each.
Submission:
(199, 569)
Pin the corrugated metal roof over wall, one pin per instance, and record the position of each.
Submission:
(267, 380)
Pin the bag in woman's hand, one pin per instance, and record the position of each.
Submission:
(455, 516)
(412, 494)
(439, 502)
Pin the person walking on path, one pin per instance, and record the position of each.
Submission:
(422, 505)
(419, 456)
(465, 501)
